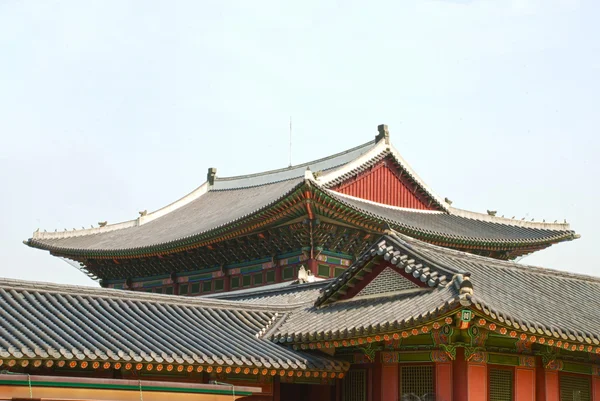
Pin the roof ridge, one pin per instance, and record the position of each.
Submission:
(505, 220)
(146, 217)
(264, 207)
(499, 262)
(260, 291)
(252, 186)
(110, 293)
(142, 219)
(284, 169)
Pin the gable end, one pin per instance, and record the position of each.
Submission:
(387, 281)
(385, 183)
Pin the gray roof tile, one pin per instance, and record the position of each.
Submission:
(49, 321)
(452, 226)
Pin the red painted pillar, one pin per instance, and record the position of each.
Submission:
(470, 379)
(546, 384)
(443, 381)
(312, 265)
(596, 388)
(525, 384)
(385, 382)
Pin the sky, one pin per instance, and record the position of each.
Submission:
(111, 107)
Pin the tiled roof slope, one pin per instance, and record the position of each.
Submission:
(430, 274)
(448, 226)
(325, 164)
(286, 293)
(365, 315)
(208, 212)
(538, 300)
(49, 321)
(221, 203)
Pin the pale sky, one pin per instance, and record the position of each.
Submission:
(111, 107)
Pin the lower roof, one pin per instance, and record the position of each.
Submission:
(535, 300)
(58, 322)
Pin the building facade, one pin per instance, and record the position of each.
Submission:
(345, 279)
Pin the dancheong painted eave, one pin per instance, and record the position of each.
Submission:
(237, 206)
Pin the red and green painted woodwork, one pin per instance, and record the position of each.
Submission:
(334, 226)
(239, 275)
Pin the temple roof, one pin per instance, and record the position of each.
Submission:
(459, 226)
(50, 321)
(227, 207)
(534, 300)
(246, 328)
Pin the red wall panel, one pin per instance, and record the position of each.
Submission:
(383, 184)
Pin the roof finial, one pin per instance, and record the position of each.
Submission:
(384, 133)
(210, 176)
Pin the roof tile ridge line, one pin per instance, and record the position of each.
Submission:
(431, 263)
(499, 262)
(284, 169)
(269, 323)
(332, 175)
(264, 184)
(504, 220)
(451, 250)
(143, 219)
(108, 293)
(405, 209)
(290, 288)
(271, 332)
(416, 177)
(198, 235)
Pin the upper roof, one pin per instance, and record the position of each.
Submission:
(49, 321)
(223, 204)
(326, 164)
(459, 226)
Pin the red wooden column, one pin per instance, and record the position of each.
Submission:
(596, 386)
(546, 383)
(525, 384)
(312, 265)
(470, 378)
(385, 382)
(443, 381)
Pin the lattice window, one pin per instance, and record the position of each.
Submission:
(501, 384)
(183, 289)
(575, 388)
(355, 386)
(416, 383)
(288, 273)
(323, 271)
(387, 281)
